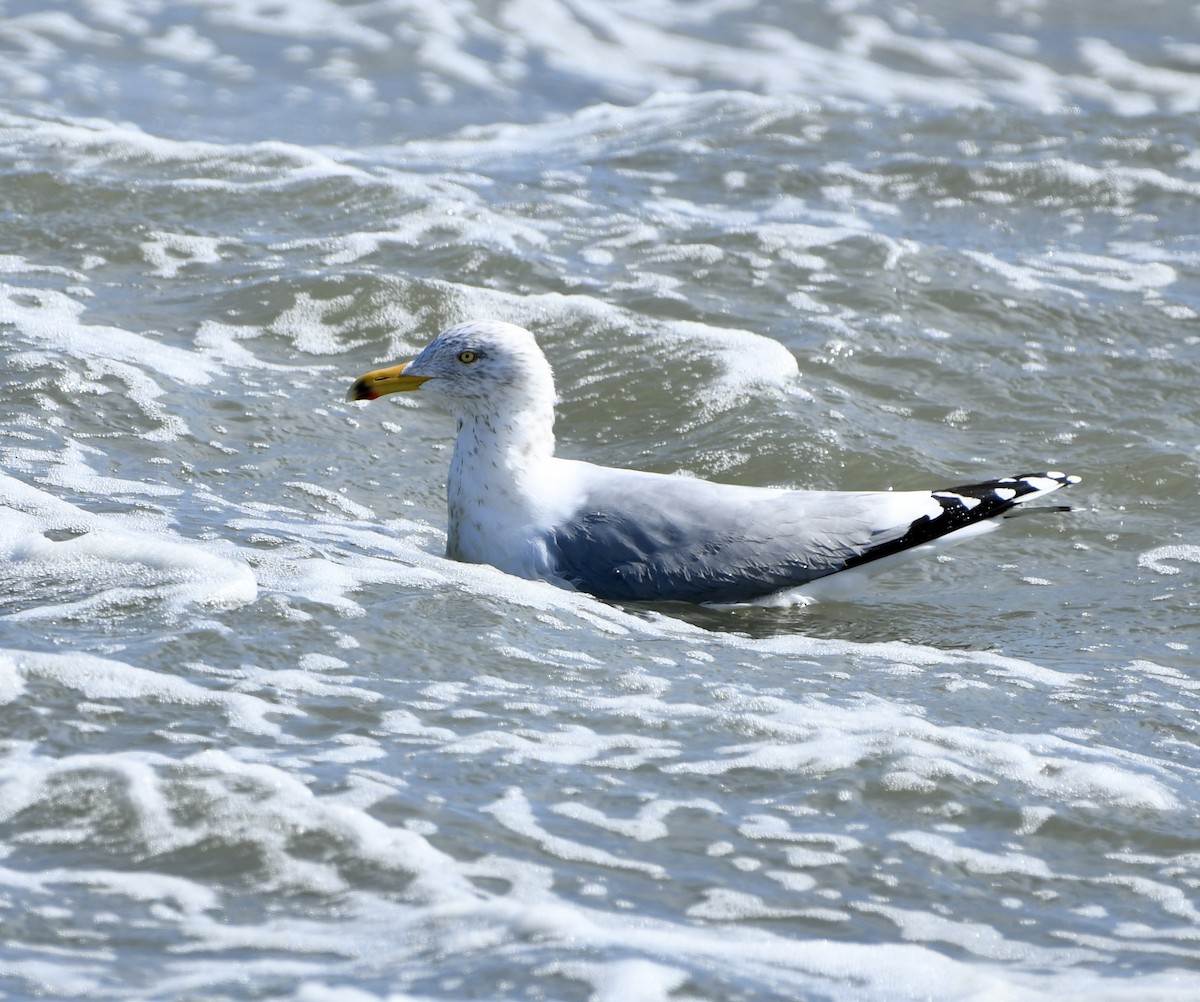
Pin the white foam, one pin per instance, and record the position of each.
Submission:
(514, 812)
(301, 19)
(306, 324)
(1156, 559)
(44, 30)
(168, 253)
(182, 43)
(994, 665)
(625, 980)
(70, 468)
(321, 991)
(112, 562)
(1171, 900)
(91, 146)
(917, 754)
(974, 860)
(980, 940)
(336, 500)
(51, 319)
(1108, 272)
(12, 683)
(1177, 90)
(444, 221)
(748, 362)
(566, 746)
(725, 905)
(647, 825)
(106, 679)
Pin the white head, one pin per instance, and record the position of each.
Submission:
(480, 368)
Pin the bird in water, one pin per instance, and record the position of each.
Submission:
(625, 534)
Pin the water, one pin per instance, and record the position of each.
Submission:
(261, 740)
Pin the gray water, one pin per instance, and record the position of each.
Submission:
(259, 739)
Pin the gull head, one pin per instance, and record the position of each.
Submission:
(477, 367)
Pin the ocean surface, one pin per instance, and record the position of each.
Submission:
(259, 739)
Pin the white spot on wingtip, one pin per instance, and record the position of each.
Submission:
(966, 502)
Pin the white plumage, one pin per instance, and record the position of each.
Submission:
(631, 535)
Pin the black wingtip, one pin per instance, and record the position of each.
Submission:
(969, 504)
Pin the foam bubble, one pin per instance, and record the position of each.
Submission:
(1156, 559)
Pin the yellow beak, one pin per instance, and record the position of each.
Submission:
(378, 382)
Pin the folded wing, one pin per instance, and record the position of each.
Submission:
(645, 536)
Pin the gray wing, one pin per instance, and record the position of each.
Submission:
(640, 536)
(644, 536)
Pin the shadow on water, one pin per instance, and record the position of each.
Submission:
(867, 623)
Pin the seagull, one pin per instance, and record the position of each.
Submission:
(630, 535)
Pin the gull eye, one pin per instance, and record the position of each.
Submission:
(467, 357)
